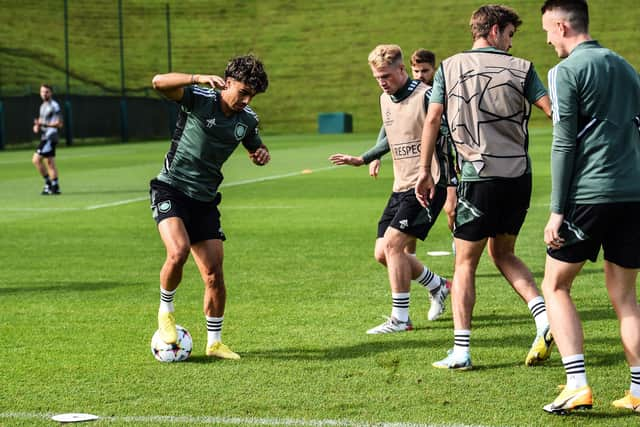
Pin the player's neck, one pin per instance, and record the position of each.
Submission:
(225, 106)
(574, 41)
(482, 43)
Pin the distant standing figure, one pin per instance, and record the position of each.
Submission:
(47, 125)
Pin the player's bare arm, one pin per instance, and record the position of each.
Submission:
(450, 206)
(171, 85)
(374, 168)
(425, 187)
(346, 159)
(544, 103)
(261, 156)
(57, 123)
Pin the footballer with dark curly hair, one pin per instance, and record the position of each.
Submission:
(211, 123)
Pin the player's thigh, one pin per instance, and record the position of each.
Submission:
(398, 240)
(559, 275)
(501, 245)
(175, 238)
(51, 162)
(468, 253)
(208, 255)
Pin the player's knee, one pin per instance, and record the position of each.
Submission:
(35, 159)
(393, 247)
(214, 278)
(501, 258)
(178, 256)
(379, 256)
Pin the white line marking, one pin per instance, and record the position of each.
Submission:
(272, 177)
(140, 199)
(182, 420)
(118, 203)
(244, 207)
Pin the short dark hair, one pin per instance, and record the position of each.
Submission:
(422, 56)
(577, 12)
(489, 15)
(47, 86)
(249, 70)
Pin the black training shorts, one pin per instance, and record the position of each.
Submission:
(47, 146)
(488, 208)
(201, 219)
(404, 213)
(612, 226)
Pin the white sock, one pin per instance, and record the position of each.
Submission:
(576, 372)
(539, 313)
(635, 381)
(400, 305)
(461, 341)
(166, 300)
(429, 279)
(214, 329)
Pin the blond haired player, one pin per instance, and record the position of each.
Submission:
(403, 106)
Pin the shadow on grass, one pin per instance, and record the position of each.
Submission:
(585, 415)
(422, 339)
(64, 286)
(537, 274)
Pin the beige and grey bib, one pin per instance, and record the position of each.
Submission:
(488, 112)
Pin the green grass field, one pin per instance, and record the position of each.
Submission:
(315, 52)
(79, 297)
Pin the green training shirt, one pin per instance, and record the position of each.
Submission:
(203, 140)
(595, 155)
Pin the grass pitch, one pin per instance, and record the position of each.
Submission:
(79, 296)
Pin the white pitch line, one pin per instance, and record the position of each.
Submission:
(139, 199)
(183, 420)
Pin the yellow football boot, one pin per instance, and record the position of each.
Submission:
(628, 402)
(221, 351)
(570, 400)
(540, 349)
(167, 327)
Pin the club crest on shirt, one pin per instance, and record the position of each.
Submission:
(240, 131)
(211, 122)
(165, 206)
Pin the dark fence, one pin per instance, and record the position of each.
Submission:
(106, 117)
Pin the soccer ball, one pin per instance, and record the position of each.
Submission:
(177, 352)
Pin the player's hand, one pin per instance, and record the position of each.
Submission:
(374, 168)
(552, 231)
(346, 159)
(450, 206)
(211, 80)
(261, 156)
(425, 188)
